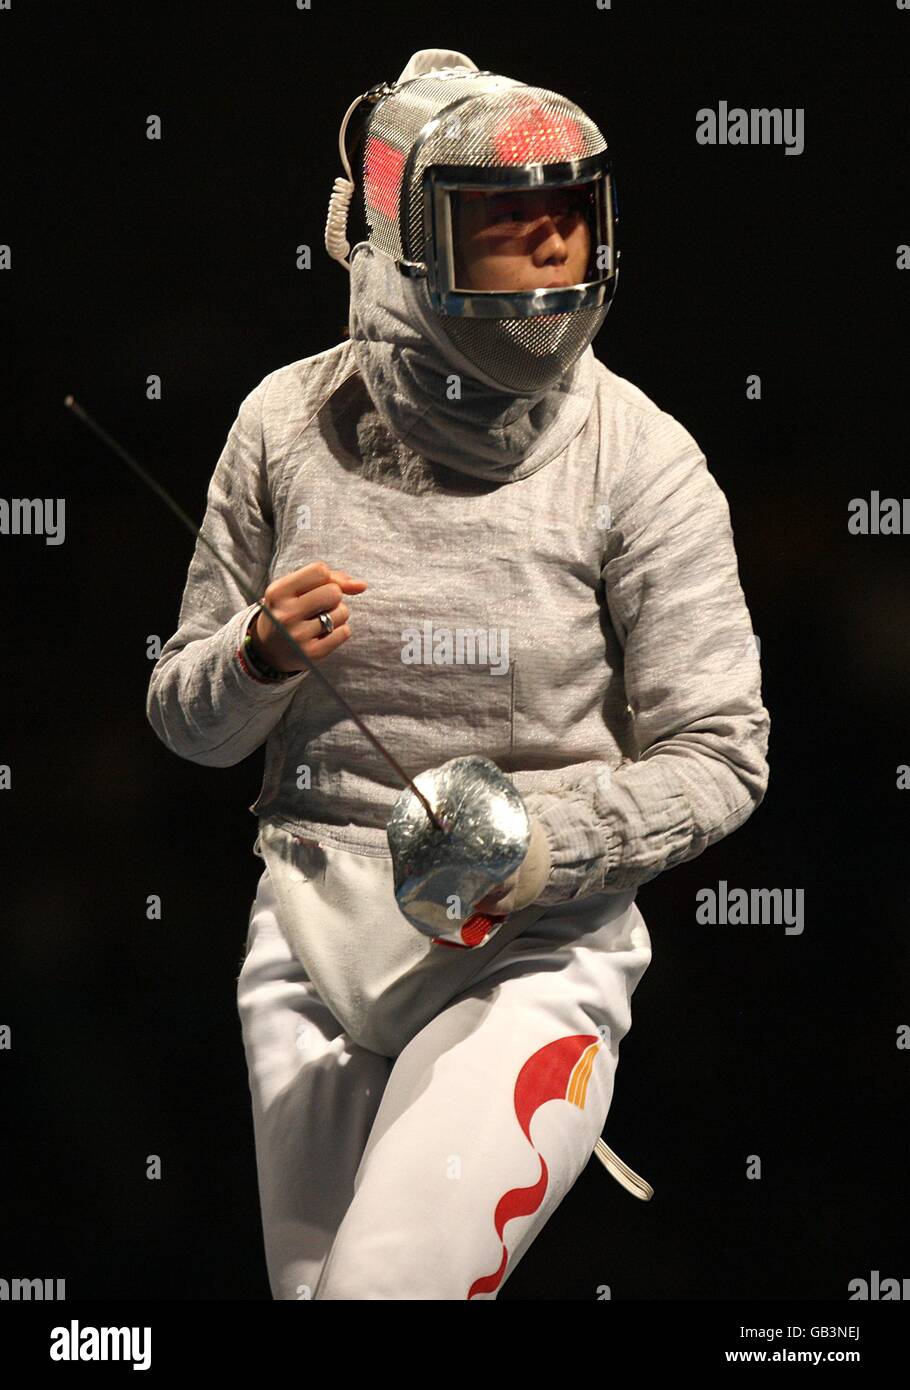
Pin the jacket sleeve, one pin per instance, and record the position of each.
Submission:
(202, 702)
(692, 679)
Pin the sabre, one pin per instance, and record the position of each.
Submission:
(474, 775)
(165, 496)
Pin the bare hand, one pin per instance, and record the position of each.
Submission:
(296, 599)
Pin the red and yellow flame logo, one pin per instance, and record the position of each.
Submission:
(559, 1071)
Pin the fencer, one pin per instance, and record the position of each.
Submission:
(497, 548)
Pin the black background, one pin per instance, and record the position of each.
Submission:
(177, 257)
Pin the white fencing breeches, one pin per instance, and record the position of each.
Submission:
(428, 1175)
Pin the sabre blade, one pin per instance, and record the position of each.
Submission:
(175, 507)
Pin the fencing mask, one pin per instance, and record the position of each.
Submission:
(490, 263)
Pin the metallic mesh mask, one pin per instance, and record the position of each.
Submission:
(500, 197)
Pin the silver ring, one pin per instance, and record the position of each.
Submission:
(327, 624)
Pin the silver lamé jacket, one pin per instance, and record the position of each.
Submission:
(584, 627)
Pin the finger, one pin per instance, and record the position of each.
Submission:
(339, 615)
(323, 644)
(325, 598)
(309, 634)
(346, 582)
(319, 645)
(313, 637)
(302, 580)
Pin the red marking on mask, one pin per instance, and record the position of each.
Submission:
(383, 165)
(536, 136)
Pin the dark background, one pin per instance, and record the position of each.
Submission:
(177, 257)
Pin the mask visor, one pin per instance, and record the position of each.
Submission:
(517, 243)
